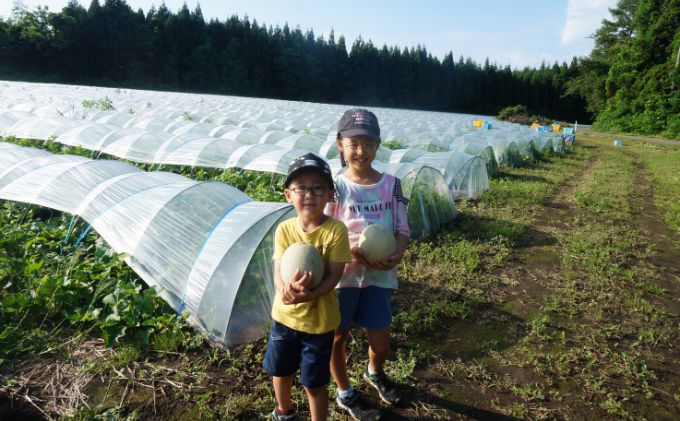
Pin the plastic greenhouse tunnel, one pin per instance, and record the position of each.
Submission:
(481, 148)
(205, 245)
(430, 205)
(465, 174)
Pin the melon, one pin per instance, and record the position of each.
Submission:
(377, 242)
(305, 257)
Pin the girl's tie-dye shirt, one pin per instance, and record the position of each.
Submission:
(360, 205)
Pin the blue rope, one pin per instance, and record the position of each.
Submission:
(83, 234)
(70, 228)
(210, 233)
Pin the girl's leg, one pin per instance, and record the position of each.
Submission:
(339, 359)
(378, 351)
(378, 347)
(318, 402)
(283, 387)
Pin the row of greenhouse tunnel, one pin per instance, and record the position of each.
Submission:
(207, 246)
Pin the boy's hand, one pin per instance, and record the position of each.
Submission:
(296, 291)
(303, 281)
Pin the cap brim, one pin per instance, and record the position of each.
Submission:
(360, 132)
(297, 171)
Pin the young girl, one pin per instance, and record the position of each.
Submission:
(365, 197)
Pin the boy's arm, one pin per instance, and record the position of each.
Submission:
(294, 293)
(329, 280)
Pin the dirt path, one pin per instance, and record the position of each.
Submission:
(454, 392)
(532, 274)
(536, 263)
(649, 221)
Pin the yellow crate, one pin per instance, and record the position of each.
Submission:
(556, 128)
(477, 123)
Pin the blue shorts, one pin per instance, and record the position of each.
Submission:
(368, 307)
(289, 349)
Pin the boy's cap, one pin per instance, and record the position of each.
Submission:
(359, 122)
(309, 161)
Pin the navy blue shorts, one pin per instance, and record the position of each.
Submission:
(289, 350)
(368, 307)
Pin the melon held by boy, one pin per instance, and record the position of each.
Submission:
(306, 258)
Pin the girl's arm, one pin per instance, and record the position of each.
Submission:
(401, 228)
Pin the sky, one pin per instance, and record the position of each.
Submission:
(517, 33)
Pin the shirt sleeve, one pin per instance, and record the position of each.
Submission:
(339, 251)
(400, 216)
(331, 209)
(280, 242)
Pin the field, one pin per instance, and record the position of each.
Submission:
(556, 295)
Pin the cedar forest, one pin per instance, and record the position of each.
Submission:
(629, 83)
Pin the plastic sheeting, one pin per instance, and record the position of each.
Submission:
(207, 246)
(481, 148)
(506, 152)
(169, 128)
(431, 204)
(465, 174)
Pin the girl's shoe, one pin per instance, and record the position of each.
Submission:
(385, 387)
(288, 416)
(358, 408)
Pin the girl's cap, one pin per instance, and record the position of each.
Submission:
(359, 122)
(309, 161)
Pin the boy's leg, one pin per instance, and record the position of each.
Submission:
(282, 388)
(282, 361)
(318, 402)
(315, 371)
(339, 359)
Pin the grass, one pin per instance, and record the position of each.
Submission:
(662, 162)
(607, 189)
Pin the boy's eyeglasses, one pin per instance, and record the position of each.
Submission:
(315, 191)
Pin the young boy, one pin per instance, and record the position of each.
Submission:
(304, 319)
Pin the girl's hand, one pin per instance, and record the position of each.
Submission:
(359, 256)
(388, 263)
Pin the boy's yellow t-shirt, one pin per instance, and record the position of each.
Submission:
(323, 314)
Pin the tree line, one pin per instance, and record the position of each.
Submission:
(110, 44)
(631, 79)
(630, 82)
